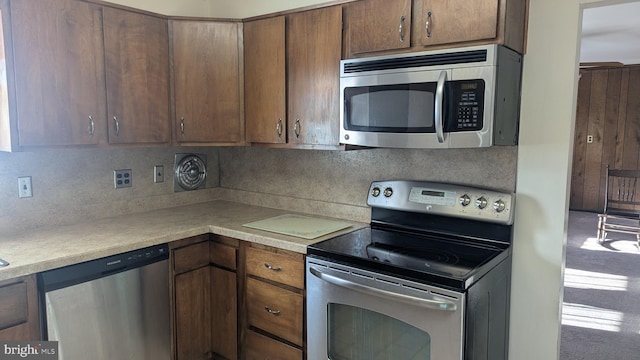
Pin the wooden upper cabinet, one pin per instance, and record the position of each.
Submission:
(137, 68)
(59, 72)
(376, 25)
(454, 21)
(314, 49)
(206, 73)
(265, 84)
(292, 86)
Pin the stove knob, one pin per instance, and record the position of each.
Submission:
(375, 192)
(481, 202)
(388, 192)
(464, 200)
(499, 206)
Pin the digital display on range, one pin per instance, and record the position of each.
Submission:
(432, 197)
(432, 193)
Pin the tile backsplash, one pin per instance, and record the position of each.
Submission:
(71, 186)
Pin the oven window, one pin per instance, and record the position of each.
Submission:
(359, 334)
(390, 108)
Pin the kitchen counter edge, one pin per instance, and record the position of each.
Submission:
(48, 248)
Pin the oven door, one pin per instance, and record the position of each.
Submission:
(357, 314)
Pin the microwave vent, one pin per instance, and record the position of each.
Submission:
(415, 61)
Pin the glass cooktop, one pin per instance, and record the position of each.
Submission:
(442, 260)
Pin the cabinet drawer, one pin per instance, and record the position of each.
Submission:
(275, 310)
(275, 267)
(223, 255)
(260, 347)
(191, 257)
(13, 305)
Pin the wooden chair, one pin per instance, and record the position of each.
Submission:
(621, 206)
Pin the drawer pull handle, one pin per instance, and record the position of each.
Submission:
(272, 268)
(272, 312)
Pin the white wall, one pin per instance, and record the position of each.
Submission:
(246, 8)
(198, 8)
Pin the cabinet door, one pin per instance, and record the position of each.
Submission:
(260, 347)
(275, 310)
(264, 73)
(137, 65)
(314, 42)
(59, 72)
(193, 307)
(206, 81)
(454, 21)
(19, 310)
(224, 319)
(376, 25)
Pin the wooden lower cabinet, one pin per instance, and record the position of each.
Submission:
(236, 300)
(19, 309)
(260, 347)
(205, 316)
(274, 323)
(275, 310)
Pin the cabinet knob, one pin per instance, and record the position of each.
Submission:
(272, 312)
(272, 268)
(279, 127)
(92, 126)
(182, 126)
(116, 125)
(401, 28)
(296, 128)
(428, 24)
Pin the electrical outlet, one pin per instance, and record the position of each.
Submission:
(122, 178)
(589, 139)
(24, 187)
(158, 173)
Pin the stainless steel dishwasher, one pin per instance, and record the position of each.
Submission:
(111, 308)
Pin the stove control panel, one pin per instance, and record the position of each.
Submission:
(443, 199)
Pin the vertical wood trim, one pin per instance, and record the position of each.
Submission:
(622, 115)
(632, 126)
(593, 158)
(580, 140)
(610, 130)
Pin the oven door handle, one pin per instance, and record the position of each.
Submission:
(439, 107)
(408, 299)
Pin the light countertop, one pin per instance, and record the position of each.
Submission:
(49, 248)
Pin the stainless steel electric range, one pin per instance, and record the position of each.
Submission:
(428, 279)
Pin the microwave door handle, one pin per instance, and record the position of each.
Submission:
(438, 111)
(407, 299)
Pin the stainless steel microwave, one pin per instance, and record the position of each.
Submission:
(453, 98)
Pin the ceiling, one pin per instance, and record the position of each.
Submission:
(611, 33)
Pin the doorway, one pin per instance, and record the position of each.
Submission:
(601, 317)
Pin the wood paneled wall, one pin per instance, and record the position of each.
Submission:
(608, 109)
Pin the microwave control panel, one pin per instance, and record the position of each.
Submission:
(466, 104)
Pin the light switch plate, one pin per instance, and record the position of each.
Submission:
(24, 187)
(158, 173)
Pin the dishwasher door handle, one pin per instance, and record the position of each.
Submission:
(433, 304)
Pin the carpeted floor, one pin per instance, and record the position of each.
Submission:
(601, 310)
